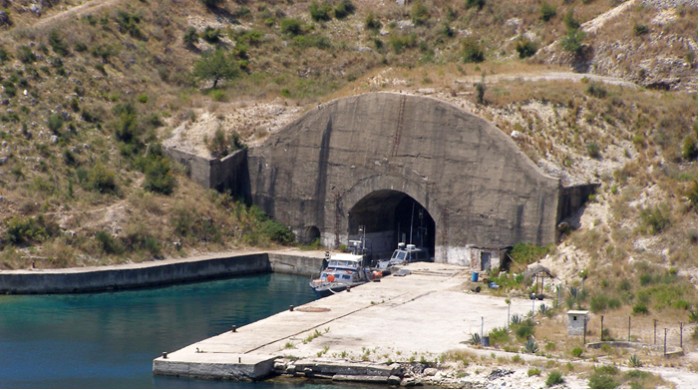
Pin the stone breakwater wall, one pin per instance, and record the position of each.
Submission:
(143, 275)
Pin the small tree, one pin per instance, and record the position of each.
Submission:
(190, 37)
(573, 41)
(480, 91)
(547, 12)
(472, 51)
(320, 12)
(215, 66)
(343, 9)
(525, 47)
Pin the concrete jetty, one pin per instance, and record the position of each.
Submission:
(352, 334)
(158, 273)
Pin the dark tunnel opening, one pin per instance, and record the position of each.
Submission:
(390, 217)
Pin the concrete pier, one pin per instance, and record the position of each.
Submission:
(158, 273)
(414, 317)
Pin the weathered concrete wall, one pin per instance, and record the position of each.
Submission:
(108, 278)
(479, 188)
(226, 174)
(295, 264)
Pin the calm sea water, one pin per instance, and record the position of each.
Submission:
(109, 340)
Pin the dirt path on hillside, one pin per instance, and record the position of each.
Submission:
(77, 11)
(550, 76)
(90, 6)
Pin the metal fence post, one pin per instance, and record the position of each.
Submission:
(681, 335)
(601, 327)
(665, 330)
(654, 332)
(585, 329)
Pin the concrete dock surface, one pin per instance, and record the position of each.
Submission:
(416, 317)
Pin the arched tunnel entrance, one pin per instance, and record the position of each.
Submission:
(390, 217)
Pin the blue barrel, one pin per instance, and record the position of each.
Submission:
(485, 341)
(475, 276)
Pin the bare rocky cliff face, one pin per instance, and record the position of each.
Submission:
(648, 42)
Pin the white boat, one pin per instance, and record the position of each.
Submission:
(403, 255)
(344, 270)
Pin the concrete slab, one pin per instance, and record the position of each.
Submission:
(415, 317)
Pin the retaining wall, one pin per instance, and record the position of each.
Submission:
(147, 275)
(295, 264)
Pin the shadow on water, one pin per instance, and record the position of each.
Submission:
(108, 340)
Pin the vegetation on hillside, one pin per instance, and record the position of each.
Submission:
(87, 99)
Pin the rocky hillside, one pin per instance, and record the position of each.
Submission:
(592, 90)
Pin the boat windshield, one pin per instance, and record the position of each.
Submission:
(401, 255)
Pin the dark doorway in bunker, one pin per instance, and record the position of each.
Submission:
(390, 217)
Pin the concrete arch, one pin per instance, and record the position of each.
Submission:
(480, 189)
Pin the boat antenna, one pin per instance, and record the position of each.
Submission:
(411, 231)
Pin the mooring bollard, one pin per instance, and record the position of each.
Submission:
(165, 355)
(291, 307)
(233, 328)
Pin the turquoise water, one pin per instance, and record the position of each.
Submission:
(109, 340)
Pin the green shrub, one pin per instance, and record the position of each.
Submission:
(138, 239)
(104, 52)
(344, 9)
(128, 23)
(655, 219)
(533, 372)
(22, 230)
(109, 244)
(531, 346)
(159, 177)
(526, 253)
(372, 22)
(577, 352)
(547, 11)
(524, 329)
(291, 26)
(602, 381)
(4, 55)
(307, 41)
(277, 232)
(320, 12)
(498, 336)
(126, 127)
(475, 339)
(101, 179)
(525, 47)
(211, 35)
(640, 308)
(604, 378)
(634, 361)
(57, 44)
(190, 37)
(569, 21)
(554, 378)
(472, 50)
(573, 40)
(596, 90)
(420, 14)
(55, 122)
(593, 150)
(480, 92)
(689, 150)
(25, 54)
(640, 29)
(401, 42)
